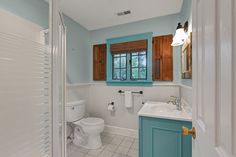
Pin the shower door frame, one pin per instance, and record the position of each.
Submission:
(62, 32)
(58, 146)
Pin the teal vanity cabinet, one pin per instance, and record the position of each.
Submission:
(163, 138)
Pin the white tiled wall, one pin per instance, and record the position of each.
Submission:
(186, 94)
(99, 95)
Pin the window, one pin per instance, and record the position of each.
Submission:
(119, 70)
(138, 66)
(129, 60)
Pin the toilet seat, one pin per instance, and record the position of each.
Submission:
(91, 121)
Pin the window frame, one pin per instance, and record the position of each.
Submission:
(148, 81)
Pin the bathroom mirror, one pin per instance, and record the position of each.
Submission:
(186, 56)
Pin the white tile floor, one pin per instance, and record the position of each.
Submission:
(113, 146)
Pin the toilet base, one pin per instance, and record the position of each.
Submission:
(88, 142)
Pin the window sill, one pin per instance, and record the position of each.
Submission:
(129, 83)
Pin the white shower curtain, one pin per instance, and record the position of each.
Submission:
(25, 89)
(32, 87)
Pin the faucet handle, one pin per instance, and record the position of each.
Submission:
(174, 97)
(178, 99)
(177, 102)
(172, 100)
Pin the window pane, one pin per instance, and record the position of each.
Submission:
(139, 66)
(123, 62)
(142, 73)
(134, 73)
(117, 55)
(116, 74)
(116, 62)
(142, 61)
(143, 53)
(123, 74)
(119, 71)
(134, 61)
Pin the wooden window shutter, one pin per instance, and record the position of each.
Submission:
(128, 47)
(167, 58)
(99, 62)
(162, 59)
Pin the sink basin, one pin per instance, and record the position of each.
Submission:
(164, 110)
(162, 107)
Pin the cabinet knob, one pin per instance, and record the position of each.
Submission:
(186, 131)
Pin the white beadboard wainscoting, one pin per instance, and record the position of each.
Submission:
(122, 121)
(186, 94)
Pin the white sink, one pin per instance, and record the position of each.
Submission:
(162, 107)
(164, 110)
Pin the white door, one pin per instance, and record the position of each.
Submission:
(214, 78)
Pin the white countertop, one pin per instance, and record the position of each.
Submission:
(165, 111)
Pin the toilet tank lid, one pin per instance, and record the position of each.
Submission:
(75, 103)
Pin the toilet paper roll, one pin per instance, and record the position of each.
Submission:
(111, 108)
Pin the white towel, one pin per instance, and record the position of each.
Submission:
(128, 99)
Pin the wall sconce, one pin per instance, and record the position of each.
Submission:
(180, 34)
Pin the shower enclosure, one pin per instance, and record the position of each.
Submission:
(32, 79)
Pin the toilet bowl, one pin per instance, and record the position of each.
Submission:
(87, 132)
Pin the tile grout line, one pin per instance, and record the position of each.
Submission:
(122, 146)
(113, 136)
(118, 146)
(130, 147)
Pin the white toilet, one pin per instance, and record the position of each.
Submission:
(87, 130)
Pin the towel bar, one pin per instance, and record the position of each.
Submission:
(140, 92)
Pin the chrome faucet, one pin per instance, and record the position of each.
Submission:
(176, 101)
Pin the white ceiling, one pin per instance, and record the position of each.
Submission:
(96, 14)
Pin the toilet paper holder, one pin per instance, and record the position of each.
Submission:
(111, 107)
(111, 103)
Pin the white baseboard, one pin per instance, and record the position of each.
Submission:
(121, 131)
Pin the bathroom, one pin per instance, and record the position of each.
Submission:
(117, 78)
(98, 93)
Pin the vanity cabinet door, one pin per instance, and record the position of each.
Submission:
(163, 138)
(99, 62)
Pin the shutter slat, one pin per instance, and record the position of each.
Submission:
(127, 47)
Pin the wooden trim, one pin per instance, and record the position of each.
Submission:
(187, 74)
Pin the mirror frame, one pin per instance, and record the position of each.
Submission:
(187, 47)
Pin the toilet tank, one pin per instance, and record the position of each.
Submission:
(75, 110)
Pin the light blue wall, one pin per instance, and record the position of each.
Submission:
(77, 52)
(159, 26)
(36, 11)
(186, 15)
(80, 40)
(186, 10)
